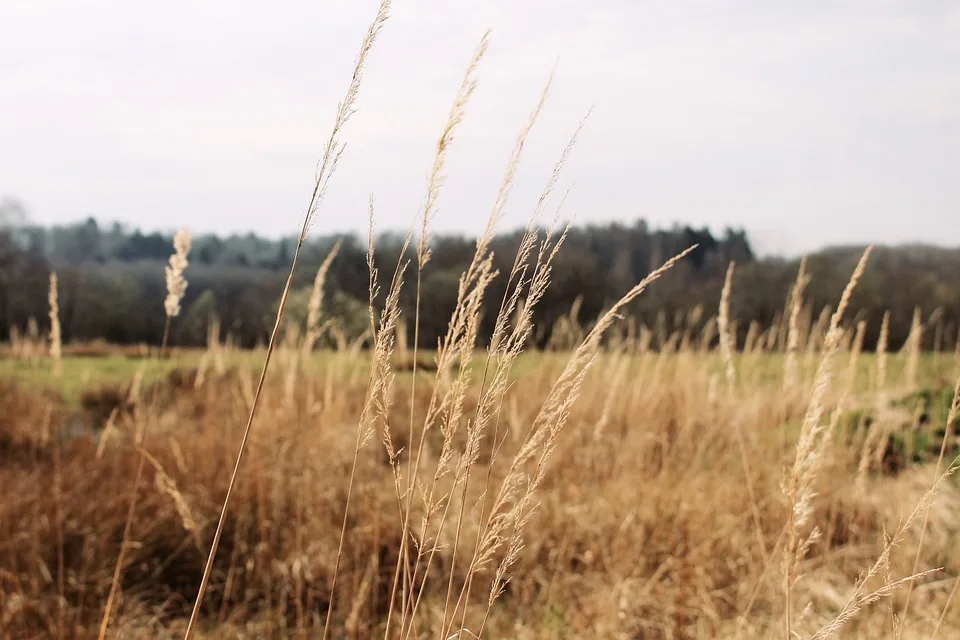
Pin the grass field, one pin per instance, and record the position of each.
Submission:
(631, 483)
(644, 525)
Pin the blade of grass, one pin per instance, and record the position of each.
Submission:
(326, 169)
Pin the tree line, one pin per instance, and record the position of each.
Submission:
(112, 281)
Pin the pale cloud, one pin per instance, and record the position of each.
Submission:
(808, 124)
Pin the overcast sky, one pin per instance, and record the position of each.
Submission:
(807, 123)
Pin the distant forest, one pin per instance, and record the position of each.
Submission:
(112, 282)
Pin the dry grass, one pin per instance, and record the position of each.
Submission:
(643, 527)
(600, 490)
(629, 521)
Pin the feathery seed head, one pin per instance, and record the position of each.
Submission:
(55, 338)
(176, 283)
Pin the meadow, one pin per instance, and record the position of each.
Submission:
(624, 481)
(644, 522)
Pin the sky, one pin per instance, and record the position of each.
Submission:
(806, 123)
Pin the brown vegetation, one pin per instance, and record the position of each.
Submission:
(712, 487)
(644, 528)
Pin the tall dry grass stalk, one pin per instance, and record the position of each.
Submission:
(379, 393)
(56, 341)
(882, 352)
(936, 319)
(858, 598)
(215, 348)
(946, 607)
(326, 168)
(727, 337)
(773, 333)
(751, 341)
(434, 186)
(914, 342)
(176, 283)
(797, 486)
(706, 336)
(818, 332)
(727, 347)
(401, 338)
(527, 282)
(314, 329)
(856, 347)
(33, 343)
(447, 400)
(947, 432)
(790, 373)
(513, 506)
(176, 288)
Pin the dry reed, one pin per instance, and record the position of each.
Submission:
(798, 484)
(326, 168)
(56, 342)
(793, 335)
(314, 329)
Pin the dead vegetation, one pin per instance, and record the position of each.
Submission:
(643, 528)
(604, 489)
